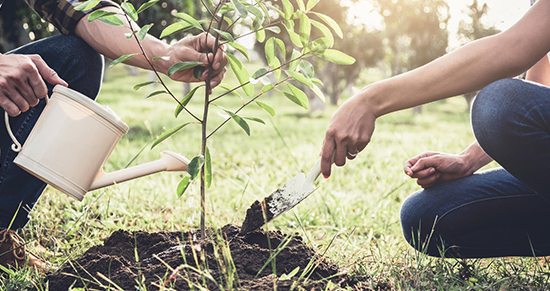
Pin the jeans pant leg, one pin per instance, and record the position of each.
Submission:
(82, 68)
(496, 213)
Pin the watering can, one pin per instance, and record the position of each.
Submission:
(71, 141)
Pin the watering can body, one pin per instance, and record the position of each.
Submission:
(71, 141)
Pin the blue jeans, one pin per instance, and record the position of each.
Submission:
(500, 212)
(82, 68)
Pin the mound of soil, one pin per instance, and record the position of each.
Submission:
(182, 261)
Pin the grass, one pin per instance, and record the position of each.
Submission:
(353, 217)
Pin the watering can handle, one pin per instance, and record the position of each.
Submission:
(16, 146)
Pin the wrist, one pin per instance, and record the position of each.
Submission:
(371, 96)
(161, 50)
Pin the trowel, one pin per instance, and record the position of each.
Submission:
(282, 200)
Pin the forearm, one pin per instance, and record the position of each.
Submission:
(468, 68)
(475, 157)
(112, 42)
(540, 72)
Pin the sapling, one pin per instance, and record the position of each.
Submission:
(288, 66)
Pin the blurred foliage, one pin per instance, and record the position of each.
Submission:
(474, 28)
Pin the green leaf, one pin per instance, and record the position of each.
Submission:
(267, 88)
(106, 17)
(294, 64)
(274, 29)
(195, 165)
(138, 86)
(319, 45)
(297, 96)
(307, 69)
(324, 30)
(260, 35)
(243, 12)
(242, 74)
(182, 66)
(182, 186)
(266, 107)
(319, 93)
(98, 14)
(188, 18)
(168, 134)
(300, 78)
(155, 94)
(207, 168)
(161, 58)
(224, 34)
(276, 64)
(121, 59)
(337, 57)
(130, 10)
(288, 9)
(175, 27)
(259, 16)
(185, 100)
(259, 72)
(239, 120)
(282, 47)
(311, 4)
(305, 29)
(270, 50)
(143, 31)
(317, 81)
(258, 120)
(234, 92)
(241, 49)
(294, 37)
(330, 23)
(198, 71)
(285, 277)
(147, 5)
(90, 4)
(301, 5)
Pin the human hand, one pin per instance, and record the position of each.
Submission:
(430, 168)
(348, 133)
(198, 48)
(22, 82)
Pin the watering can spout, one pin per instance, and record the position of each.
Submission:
(169, 161)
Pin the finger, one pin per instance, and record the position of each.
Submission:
(47, 73)
(426, 162)
(326, 156)
(9, 106)
(352, 153)
(20, 85)
(423, 174)
(341, 153)
(430, 181)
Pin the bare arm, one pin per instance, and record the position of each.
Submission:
(111, 41)
(540, 72)
(466, 69)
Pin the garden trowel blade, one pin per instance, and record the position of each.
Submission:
(282, 200)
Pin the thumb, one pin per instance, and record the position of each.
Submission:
(48, 74)
(427, 162)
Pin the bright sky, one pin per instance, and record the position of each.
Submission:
(502, 13)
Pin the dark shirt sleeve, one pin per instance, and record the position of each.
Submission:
(62, 13)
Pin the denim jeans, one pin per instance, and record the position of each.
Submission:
(500, 212)
(82, 68)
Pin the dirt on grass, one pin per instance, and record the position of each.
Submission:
(224, 260)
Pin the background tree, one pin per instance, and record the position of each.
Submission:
(475, 28)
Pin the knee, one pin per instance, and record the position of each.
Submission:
(494, 110)
(417, 222)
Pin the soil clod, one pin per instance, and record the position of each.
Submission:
(256, 216)
(183, 261)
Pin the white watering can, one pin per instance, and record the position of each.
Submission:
(71, 141)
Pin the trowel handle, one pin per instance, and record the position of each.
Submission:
(16, 146)
(313, 173)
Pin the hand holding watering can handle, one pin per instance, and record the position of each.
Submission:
(16, 146)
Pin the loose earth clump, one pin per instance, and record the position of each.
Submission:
(223, 260)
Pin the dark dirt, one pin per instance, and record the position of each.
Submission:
(256, 216)
(173, 259)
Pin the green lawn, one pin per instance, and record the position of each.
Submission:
(358, 206)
